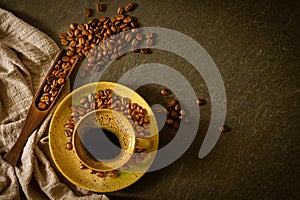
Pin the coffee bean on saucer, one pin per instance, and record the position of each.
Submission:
(69, 146)
(174, 114)
(68, 133)
(164, 92)
(177, 107)
(100, 174)
(69, 125)
(83, 100)
(171, 102)
(170, 121)
(175, 125)
(113, 174)
(82, 166)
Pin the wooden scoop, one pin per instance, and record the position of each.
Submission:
(35, 115)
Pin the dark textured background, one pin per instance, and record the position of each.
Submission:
(255, 45)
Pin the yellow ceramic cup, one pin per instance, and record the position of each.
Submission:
(105, 139)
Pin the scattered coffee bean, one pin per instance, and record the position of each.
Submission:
(87, 12)
(187, 120)
(129, 7)
(200, 102)
(100, 7)
(148, 35)
(150, 42)
(120, 11)
(225, 128)
(170, 121)
(144, 51)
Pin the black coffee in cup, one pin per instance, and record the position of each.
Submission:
(102, 144)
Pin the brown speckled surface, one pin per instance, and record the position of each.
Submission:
(255, 45)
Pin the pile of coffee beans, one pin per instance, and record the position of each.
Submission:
(105, 39)
(173, 110)
(106, 99)
(55, 79)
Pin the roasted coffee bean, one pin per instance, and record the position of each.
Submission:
(171, 103)
(174, 114)
(186, 120)
(172, 133)
(225, 128)
(120, 17)
(101, 174)
(100, 7)
(166, 111)
(62, 35)
(45, 99)
(164, 92)
(182, 112)
(150, 42)
(148, 35)
(73, 26)
(129, 7)
(46, 88)
(64, 42)
(91, 98)
(175, 125)
(200, 102)
(68, 133)
(82, 73)
(144, 51)
(60, 81)
(139, 37)
(120, 11)
(69, 146)
(69, 125)
(74, 114)
(87, 12)
(113, 174)
(170, 121)
(82, 166)
(42, 106)
(65, 59)
(127, 19)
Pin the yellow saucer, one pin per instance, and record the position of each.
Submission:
(67, 161)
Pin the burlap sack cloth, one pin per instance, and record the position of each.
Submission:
(26, 55)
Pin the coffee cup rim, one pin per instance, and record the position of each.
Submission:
(100, 165)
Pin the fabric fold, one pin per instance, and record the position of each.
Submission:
(25, 57)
